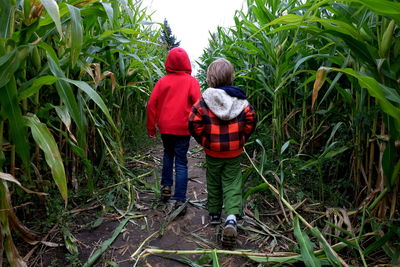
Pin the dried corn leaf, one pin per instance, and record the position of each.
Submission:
(28, 235)
(10, 178)
(319, 81)
(12, 253)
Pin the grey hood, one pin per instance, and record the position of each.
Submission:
(224, 106)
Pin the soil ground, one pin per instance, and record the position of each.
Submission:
(188, 232)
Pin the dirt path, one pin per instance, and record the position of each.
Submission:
(188, 232)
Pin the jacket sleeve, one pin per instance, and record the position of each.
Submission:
(152, 111)
(250, 121)
(196, 123)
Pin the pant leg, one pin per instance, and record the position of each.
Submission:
(168, 160)
(231, 177)
(181, 169)
(214, 185)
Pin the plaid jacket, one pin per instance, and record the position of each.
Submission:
(221, 138)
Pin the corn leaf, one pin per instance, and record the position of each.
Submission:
(10, 63)
(47, 19)
(343, 231)
(304, 59)
(109, 11)
(94, 96)
(63, 114)
(5, 18)
(12, 253)
(37, 85)
(8, 177)
(76, 33)
(328, 249)
(70, 241)
(319, 81)
(383, 7)
(47, 144)
(54, 12)
(214, 257)
(12, 111)
(391, 94)
(66, 94)
(375, 89)
(287, 259)
(48, 80)
(305, 245)
(332, 153)
(379, 242)
(255, 189)
(108, 33)
(351, 244)
(106, 244)
(339, 26)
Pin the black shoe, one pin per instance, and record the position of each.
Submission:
(229, 234)
(215, 218)
(179, 204)
(165, 193)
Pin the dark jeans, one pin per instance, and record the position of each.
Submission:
(175, 147)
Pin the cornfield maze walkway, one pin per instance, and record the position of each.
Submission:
(188, 232)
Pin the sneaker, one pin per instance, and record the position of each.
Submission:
(179, 204)
(166, 192)
(229, 234)
(215, 218)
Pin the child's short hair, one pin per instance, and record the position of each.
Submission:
(220, 73)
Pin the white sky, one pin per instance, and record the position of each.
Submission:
(191, 20)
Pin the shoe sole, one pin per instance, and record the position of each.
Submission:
(165, 198)
(215, 222)
(229, 235)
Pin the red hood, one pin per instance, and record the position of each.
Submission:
(178, 61)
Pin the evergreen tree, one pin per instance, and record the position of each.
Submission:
(167, 37)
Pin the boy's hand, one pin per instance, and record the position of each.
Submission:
(152, 136)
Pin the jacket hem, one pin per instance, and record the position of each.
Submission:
(224, 154)
(174, 131)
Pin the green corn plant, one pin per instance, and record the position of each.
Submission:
(337, 39)
(71, 73)
(386, 241)
(330, 150)
(349, 49)
(351, 245)
(379, 84)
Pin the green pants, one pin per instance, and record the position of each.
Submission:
(224, 185)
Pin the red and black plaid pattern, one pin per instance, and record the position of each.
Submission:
(220, 135)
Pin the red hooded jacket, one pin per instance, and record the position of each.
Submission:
(173, 96)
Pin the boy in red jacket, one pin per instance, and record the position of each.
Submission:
(221, 122)
(168, 108)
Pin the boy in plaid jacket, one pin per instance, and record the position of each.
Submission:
(221, 121)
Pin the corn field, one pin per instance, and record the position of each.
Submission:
(322, 75)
